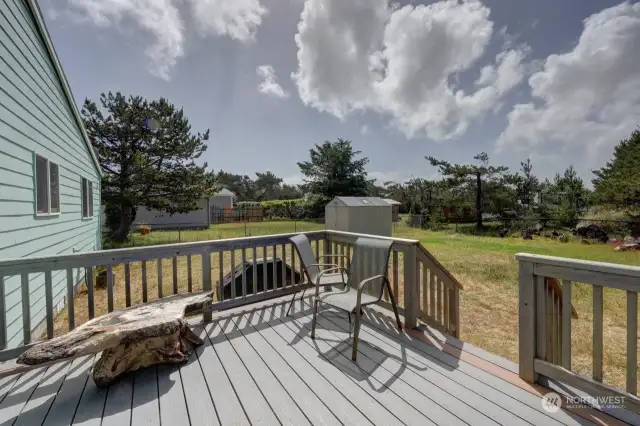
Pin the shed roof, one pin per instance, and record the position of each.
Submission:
(362, 201)
(391, 201)
(224, 192)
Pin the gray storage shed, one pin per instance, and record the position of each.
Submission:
(364, 215)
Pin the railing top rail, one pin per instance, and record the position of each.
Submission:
(144, 252)
(582, 265)
(354, 235)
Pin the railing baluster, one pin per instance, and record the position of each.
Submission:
(110, 287)
(26, 308)
(425, 290)
(189, 275)
(550, 324)
(410, 256)
(206, 280)
(174, 266)
(317, 244)
(70, 300)
(90, 296)
(144, 282)
(566, 324)
(439, 300)
(284, 265)
(3, 315)
(244, 273)
(221, 276)
(558, 330)
(597, 332)
(541, 318)
(159, 262)
(274, 268)
(456, 312)
(233, 274)
(293, 267)
(127, 284)
(432, 294)
(265, 264)
(292, 276)
(632, 342)
(254, 264)
(445, 306)
(48, 289)
(396, 285)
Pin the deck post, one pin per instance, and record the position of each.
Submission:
(411, 292)
(526, 320)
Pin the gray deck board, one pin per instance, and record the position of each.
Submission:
(304, 397)
(321, 386)
(282, 404)
(229, 409)
(145, 408)
(173, 405)
(401, 399)
(64, 406)
(360, 394)
(200, 405)
(258, 366)
(18, 396)
(91, 407)
(497, 406)
(117, 408)
(431, 392)
(253, 401)
(380, 327)
(35, 411)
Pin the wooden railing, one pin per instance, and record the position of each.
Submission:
(545, 314)
(58, 293)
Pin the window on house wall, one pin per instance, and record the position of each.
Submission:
(47, 187)
(87, 198)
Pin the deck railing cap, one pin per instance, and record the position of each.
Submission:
(588, 265)
(356, 235)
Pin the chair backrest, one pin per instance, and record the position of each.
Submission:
(303, 247)
(370, 258)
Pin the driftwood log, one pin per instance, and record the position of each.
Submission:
(129, 339)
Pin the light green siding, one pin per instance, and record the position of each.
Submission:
(36, 117)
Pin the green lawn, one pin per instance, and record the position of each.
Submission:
(489, 273)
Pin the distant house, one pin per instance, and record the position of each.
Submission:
(199, 218)
(49, 174)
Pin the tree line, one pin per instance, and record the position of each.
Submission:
(148, 155)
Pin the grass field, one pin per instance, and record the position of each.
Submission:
(484, 265)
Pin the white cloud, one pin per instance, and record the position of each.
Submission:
(293, 180)
(367, 55)
(164, 22)
(364, 129)
(269, 85)
(587, 98)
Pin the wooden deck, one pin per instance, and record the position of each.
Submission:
(260, 367)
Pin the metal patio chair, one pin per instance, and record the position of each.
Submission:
(312, 269)
(368, 270)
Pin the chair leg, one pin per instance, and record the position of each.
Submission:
(395, 307)
(349, 314)
(313, 322)
(293, 299)
(356, 331)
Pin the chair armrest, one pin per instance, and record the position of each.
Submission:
(368, 280)
(337, 268)
(364, 283)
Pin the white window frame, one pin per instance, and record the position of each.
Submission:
(85, 183)
(35, 186)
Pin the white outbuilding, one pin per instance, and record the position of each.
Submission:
(363, 215)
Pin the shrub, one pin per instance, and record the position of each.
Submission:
(293, 209)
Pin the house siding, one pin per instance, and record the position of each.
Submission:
(36, 117)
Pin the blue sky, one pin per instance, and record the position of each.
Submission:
(558, 81)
